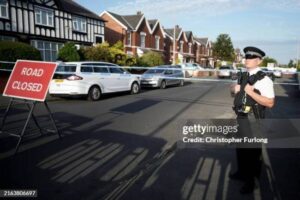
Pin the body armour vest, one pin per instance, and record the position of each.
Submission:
(241, 99)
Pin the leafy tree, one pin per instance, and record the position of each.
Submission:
(223, 48)
(150, 59)
(267, 60)
(291, 64)
(100, 52)
(68, 52)
(119, 45)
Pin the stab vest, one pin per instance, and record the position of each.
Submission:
(243, 80)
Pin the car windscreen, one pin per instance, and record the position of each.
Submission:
(154, 71)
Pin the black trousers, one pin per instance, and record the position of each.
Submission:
(249, 158)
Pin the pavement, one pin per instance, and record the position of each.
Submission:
(125, 147)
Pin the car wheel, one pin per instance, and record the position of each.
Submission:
(94, 93)
(181, 83)
(163, 85)
(135, 88)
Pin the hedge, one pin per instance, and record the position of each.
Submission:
(12, 51)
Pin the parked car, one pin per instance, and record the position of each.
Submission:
(269, 73)
(226, 71)
(162, 76)
(92, 79)
(189, 69)
(277, 73)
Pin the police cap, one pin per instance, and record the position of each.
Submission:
(253, 52)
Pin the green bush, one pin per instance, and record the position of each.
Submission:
(100, 52)
(12, 51)
(68, 53)
(150, 59)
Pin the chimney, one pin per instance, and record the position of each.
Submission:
(139, 12)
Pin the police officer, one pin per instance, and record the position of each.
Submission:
(253, 93)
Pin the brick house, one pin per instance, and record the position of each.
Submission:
(181, 53)
(204, 52)
(47, 25)
(138, 34)
(190, 56)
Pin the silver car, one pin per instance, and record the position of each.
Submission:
(226, 72)
(162, 76)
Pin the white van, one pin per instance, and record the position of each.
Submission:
(92, 79)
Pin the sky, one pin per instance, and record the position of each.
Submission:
(272, 25)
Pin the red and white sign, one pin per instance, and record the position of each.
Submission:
(30, 80)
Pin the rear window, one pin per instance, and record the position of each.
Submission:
(66, 68)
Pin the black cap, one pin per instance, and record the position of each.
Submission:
(252, 52)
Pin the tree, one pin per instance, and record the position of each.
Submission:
(151, 59)
(100, 52)
(267, 60)
(68, 53)
(291, 64)
(223, 48)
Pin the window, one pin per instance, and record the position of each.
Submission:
(48, 50)
(44, 17)
(3, 9)
(100, 70)
(181, 46)
(116, 70)
(7, 38)
(66, 68)
(128, 42)
(157, 38)
(142, 39)
(99, 39)
(79, 24)
(190, 48)
(86, 69)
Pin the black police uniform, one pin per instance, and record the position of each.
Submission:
(249, 160)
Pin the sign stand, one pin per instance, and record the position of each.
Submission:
(30, 105)
(28, 84)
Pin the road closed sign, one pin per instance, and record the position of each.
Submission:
(30, 80)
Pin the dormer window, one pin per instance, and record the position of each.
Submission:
(44, 16)
(4, 9)
(79, 24)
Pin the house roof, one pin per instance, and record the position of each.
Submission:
(152, 23)
(202, 41)
(133, 20)
(188, 34)
(170, 32)
(122, 20)
(75, 8)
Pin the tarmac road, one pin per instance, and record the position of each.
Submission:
(124, 147)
